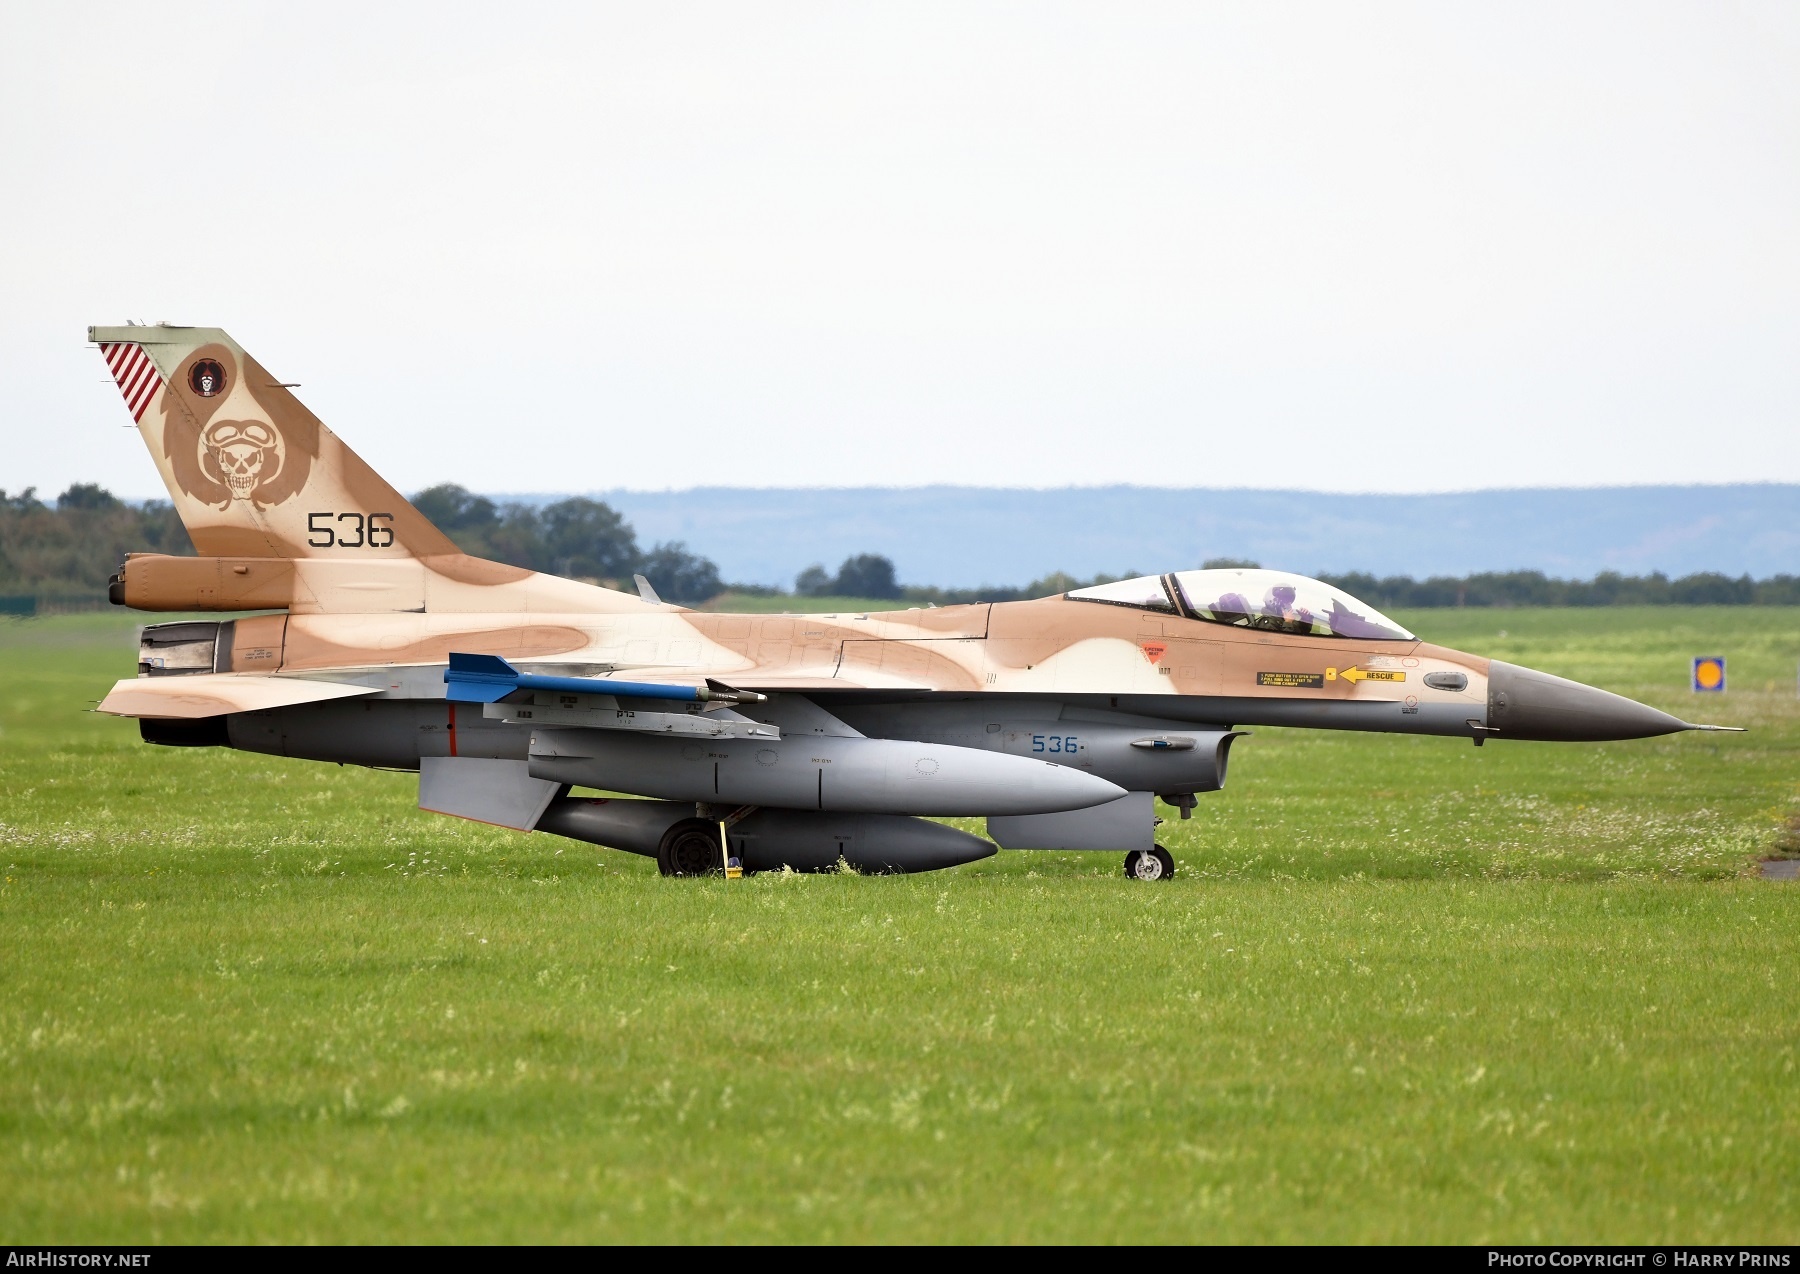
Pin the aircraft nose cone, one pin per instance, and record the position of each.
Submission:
(1526, 704)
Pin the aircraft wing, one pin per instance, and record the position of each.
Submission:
(213, 694)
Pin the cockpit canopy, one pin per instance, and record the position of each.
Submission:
(1274, 601)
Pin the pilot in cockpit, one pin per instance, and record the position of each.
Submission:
(1279, 605)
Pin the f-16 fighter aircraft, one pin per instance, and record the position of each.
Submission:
(796, 740)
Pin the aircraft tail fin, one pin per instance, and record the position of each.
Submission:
(252, 472)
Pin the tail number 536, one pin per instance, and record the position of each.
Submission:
(350, 530)
(1055, 743)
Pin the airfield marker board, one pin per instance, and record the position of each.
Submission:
(1709, 674)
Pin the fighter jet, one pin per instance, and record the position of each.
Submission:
(738, 742)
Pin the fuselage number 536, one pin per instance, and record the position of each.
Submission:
(350, 530)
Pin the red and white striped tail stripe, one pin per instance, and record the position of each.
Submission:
(136, 375)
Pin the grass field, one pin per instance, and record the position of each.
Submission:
(1401, 990)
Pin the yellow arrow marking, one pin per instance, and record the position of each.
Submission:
(1354, 675)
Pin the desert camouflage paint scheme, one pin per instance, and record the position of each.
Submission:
(794, 740)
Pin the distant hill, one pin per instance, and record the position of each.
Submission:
(962, 537)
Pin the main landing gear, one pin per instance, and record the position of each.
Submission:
(691, 848)
(1149, 864)
(696, 846)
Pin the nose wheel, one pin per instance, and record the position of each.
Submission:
(1149, 864)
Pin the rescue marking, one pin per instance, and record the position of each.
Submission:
(1354, 675)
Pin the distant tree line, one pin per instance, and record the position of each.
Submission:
(1492, 588)
(63, 553)
(1047, 586)
(1534, 588)
(577, 537)
(865, 575)
(872, 577)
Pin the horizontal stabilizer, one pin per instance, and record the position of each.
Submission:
(214, 694)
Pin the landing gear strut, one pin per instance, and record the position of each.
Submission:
(1149, 864)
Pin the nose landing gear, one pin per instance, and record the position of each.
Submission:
(1149, 864)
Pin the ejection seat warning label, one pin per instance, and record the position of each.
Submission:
(1291, 680)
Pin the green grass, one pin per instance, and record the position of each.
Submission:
(1402, 990)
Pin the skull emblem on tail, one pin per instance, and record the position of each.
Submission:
(244, 453)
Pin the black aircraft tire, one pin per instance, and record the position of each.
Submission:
(690, 848)
(1151, 864)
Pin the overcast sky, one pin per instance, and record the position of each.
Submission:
(538, 248)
